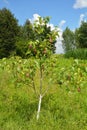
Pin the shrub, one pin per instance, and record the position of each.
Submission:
(77, 54)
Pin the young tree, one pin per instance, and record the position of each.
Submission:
(41, 48)
(68, 40)
(9, 31)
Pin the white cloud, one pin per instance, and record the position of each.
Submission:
(6, 1)
(51, 26)
(58, 44)
(35, 17)
(59, 48)
(83, 17)
(80, 4)
(62, 23)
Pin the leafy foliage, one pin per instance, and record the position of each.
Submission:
(72, 41)
(9, 31)
(44, 39)
(28, 32)
(68, 40)
(77, 54)
(81, 35)
(37, 37)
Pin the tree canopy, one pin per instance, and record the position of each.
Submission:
(68, 40)
(76, 39)
(9, 31)
(44, 38)
(81, 35)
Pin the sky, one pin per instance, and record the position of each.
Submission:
(63, 13)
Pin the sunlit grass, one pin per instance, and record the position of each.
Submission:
(61, 109)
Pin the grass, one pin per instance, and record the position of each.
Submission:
(61, 109)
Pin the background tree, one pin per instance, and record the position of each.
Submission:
(26, 34)
(9, 31)
(81, 35)
(21, 44)
(68, 40)
(28, 30)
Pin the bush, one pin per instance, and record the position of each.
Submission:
(77, 54)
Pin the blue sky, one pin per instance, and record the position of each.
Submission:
(69, 11)
(63, 12)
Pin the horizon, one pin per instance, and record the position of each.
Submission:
(62, 14)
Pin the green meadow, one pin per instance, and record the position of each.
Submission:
(64, 107)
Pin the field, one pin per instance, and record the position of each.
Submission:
(64, 107)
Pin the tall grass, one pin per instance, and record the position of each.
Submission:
(60, 110)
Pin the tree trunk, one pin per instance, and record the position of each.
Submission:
(39, 107)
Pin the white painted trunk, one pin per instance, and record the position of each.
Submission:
(39, 107)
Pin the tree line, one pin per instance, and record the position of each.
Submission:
(15, 38)
(75, 39)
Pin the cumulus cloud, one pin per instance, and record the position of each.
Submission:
(80, 4)
(35, 17)
(59, 48)
(83, 17)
